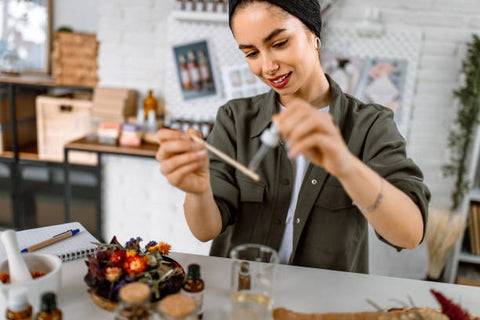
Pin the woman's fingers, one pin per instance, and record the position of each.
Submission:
(315, 123)
(177, 162)
(171, 134)
(176, 177)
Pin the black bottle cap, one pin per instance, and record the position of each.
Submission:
(49, 302)
(193, 272)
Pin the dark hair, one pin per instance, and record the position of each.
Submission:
(308, 11)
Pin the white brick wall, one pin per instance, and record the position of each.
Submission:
(132, 54)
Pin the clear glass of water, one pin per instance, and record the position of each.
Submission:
(252, 277)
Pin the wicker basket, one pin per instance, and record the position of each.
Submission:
(110, 305)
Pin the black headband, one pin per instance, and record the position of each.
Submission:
(308, 11)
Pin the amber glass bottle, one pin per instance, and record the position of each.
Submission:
(150, 103)
(194, 287)
(48, 308)
(18, 307)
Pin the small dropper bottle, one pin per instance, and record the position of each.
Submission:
(18, 307)
(48, 308)
(270, 138)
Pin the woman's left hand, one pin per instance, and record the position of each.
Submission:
(314, 134)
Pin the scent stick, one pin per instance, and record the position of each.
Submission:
(226, 158)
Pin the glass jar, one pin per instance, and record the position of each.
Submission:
(134, 302)
(178, 307)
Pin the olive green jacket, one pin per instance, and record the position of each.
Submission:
(329, 231)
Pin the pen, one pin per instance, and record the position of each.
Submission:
(52, 240)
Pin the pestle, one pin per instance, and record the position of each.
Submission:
(17, 267)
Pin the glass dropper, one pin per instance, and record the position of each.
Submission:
(269, 138)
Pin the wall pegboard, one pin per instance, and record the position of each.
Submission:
(223, 52)
(392, 44)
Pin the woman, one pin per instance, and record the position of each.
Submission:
(343, 162)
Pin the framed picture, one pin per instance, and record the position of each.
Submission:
(239, 81)
(194, 70)
(25, 36)
(383, 82)
(346, 71)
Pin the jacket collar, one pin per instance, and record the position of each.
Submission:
(267, 106)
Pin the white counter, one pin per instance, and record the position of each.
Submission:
(298, 289)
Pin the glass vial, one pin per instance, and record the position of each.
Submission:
(149, 103)
(194, 286)
(134, 302)
(18, 307)
(244, 276)
(48, 308)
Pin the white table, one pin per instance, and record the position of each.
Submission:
(299, 289)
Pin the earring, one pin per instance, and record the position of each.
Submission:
(318, 44)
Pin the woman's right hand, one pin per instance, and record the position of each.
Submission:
(183, 162)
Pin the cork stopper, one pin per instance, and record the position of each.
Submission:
(177, 305)
(135, 292)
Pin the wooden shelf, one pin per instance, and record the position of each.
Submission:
(37, 80)
(28, 152)
(144, 150)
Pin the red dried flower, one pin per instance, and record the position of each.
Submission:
(134, 265)
(117, 257)
(452, 310)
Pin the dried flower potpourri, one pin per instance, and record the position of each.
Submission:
(115, 265)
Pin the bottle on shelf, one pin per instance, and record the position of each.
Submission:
(204, 66)
(134, 302)
(150, 103)
(210, 6)
(194, 71)
(48, 308)
(194, 286)
(18, 307)
(184, 73)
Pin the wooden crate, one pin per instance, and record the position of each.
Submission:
(75, 58)
(61, 120)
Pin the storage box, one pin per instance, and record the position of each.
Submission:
(25, 113)
(114, 104)
(59, 121)
(75, 58)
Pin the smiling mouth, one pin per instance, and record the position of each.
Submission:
(281, 81)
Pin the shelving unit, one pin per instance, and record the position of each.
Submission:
(458, 255)
(17, 159)
(200, 16)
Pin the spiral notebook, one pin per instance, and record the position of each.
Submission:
(72, 248)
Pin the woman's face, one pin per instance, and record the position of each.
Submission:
(278, 47)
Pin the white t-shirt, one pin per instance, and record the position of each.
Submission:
(300, 165)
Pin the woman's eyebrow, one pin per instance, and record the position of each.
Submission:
(273, 34)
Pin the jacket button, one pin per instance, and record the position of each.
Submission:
(314, 181)
(285, 182)
(297, 221)
(277, 221)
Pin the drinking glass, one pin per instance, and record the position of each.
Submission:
(252, 275)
